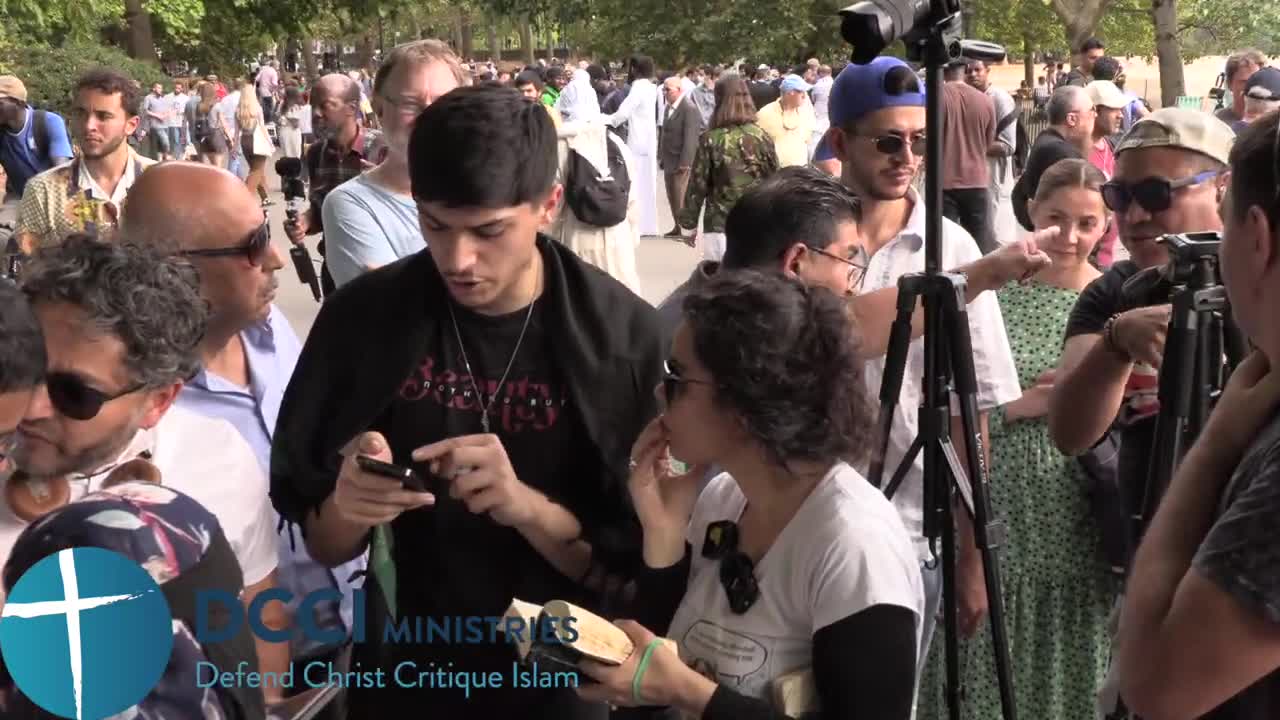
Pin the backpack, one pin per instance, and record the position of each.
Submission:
(1023, 148)
(596, 198)
(40, 133)
(200, 126)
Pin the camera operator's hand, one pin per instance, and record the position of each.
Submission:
(296, 228)
(1141, 333)
(367, 499)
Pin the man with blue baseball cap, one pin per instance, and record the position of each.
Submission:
(877, 114)
(789, 120)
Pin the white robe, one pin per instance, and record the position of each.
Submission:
(640, 111)
(611, 249)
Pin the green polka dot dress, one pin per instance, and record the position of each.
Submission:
(1058, 591)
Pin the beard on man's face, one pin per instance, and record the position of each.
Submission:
(40, 458)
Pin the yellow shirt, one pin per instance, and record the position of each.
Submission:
(65, 199)
(791, 131)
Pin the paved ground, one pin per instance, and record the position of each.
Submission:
(663, 264)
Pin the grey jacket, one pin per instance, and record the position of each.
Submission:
(679, 140)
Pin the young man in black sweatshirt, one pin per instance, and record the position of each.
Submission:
(505, 371)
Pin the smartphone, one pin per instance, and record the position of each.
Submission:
(410, 479)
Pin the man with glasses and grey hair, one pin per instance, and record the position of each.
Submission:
(122, 329)
(371, 219)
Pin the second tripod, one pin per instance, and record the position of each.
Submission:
(948, 356)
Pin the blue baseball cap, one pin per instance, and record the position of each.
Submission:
(860, 89)
(795, 82)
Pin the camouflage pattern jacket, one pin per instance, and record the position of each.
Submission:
(728, 161)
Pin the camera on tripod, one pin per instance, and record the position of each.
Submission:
(1193, 257)
(295, 193)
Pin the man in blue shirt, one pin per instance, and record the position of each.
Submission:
(249, 349)
(32, 141)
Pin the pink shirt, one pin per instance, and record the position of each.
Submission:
(1103, 158)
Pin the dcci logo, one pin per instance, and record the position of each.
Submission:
(86, 633)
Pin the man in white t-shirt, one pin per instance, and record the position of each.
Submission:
(877, 132)
(177, 124)
(117, 356)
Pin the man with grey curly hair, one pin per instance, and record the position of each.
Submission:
(122, 328)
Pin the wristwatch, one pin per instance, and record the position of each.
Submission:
(1109, 337)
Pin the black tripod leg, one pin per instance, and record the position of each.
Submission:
(894, 366)
(988, 533)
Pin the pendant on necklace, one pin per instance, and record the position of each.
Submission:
(484, 421)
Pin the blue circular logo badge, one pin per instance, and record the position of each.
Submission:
(86, 633)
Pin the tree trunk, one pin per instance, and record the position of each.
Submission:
(142, 45)
(1164, 15)
(1079, 18)
(526, 39)
(364, 50)
(468, 39)
(307, 46)
(1028, 62)
(491, 39)
(456, 31)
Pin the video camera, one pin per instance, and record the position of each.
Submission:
(295, 193)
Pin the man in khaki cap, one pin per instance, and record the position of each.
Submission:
(1108, 125)
(1170, 176)
(31, 141)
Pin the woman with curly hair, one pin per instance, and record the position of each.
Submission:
(789, 561)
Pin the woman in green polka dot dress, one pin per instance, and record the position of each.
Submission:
(1057, 588)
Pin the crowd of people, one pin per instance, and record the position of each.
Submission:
(695, 470)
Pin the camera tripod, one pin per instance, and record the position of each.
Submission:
(948, 358)
(1202, 346)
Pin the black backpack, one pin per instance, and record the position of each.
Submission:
(200, 126)
(596, 199)
(40, 133)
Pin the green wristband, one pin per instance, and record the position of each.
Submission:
(644, 665)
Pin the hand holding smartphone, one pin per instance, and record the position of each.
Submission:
(407, 477)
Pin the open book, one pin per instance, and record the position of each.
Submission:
(794, 694)
(560, 634)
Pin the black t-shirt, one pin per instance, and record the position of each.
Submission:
(1103, 298)
(1241, 555)
(453, 563)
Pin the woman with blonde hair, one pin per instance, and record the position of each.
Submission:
(255, 142)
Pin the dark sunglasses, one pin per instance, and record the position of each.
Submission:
(672, 380)
(857, 268)
(254, 247)
(73, 398)
(893, 144)
(1152, 194)
(737, 571)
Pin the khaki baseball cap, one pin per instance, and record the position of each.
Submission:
(1104, 93)
(12, 87)
(1181, 128)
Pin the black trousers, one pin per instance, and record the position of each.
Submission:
(971, 209)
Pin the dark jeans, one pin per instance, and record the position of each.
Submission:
(268, 108)
(971, 208)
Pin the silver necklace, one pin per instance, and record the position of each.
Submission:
(484, 412)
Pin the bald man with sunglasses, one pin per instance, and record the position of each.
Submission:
(248, 352)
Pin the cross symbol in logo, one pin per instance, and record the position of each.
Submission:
(71, 606)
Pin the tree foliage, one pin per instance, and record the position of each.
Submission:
(50, 74)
